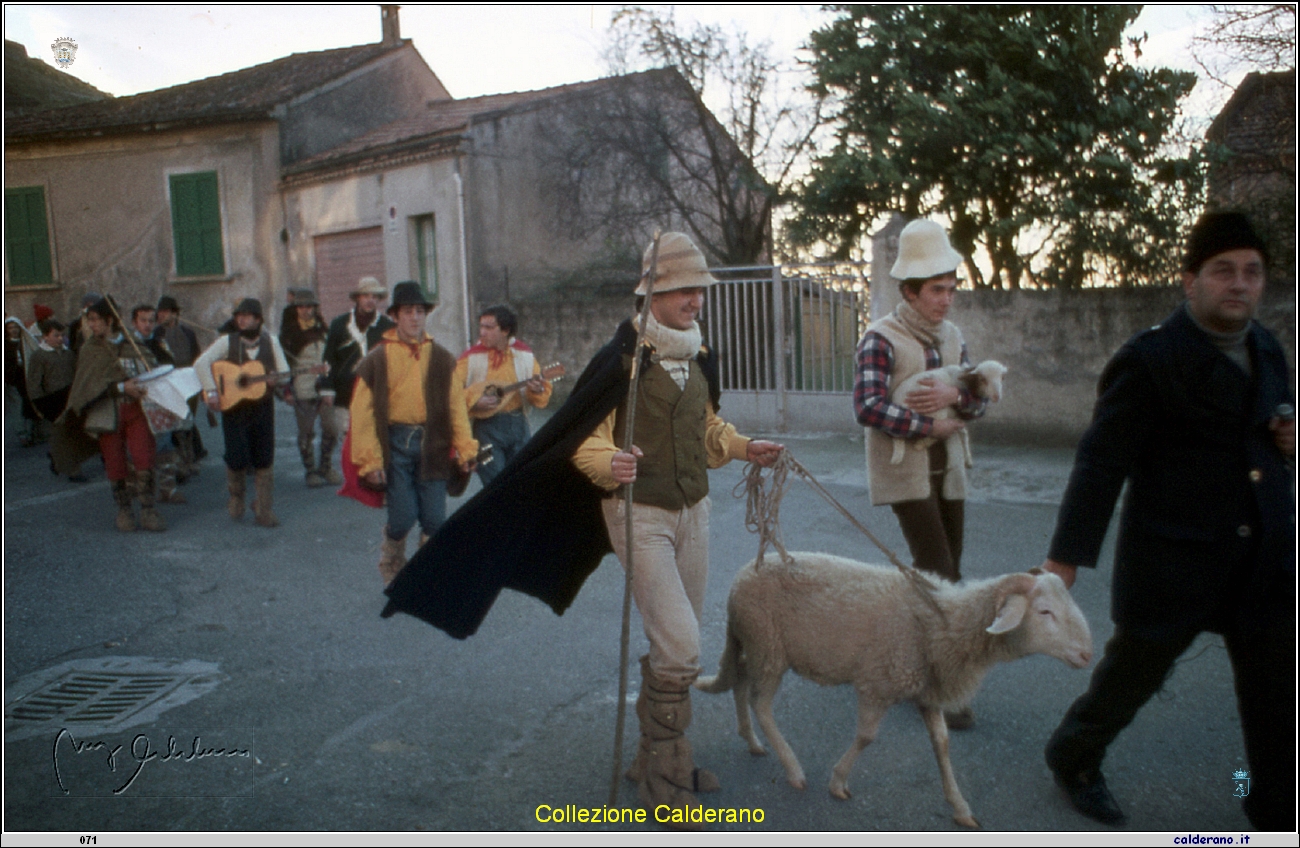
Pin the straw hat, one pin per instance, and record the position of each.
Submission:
(680, 265)
(369, 285)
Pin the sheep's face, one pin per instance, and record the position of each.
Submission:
(1040, 617)
(990, 374)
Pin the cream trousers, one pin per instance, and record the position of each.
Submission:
(669, 572)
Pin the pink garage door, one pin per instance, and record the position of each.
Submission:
(341, 260)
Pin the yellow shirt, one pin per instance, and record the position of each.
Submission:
(593, 457)
(503, 375)
(406, 379)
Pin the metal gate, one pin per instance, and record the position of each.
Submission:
(787, 330)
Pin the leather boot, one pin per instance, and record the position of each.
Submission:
(392, 557)
(123, 497)
(331, 475)
(264, 484)
(169, 478)
(236, 481)
(314, 479)
(189, 452)
(667, 773)
(150, 519)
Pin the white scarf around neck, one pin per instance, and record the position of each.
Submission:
(672, 344)
(673, 349)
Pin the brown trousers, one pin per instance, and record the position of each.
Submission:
(933, 526)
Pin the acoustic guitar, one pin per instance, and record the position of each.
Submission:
(476, 392)
(237, 383)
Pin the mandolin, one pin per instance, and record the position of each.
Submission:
(237, 383)
(483, 388)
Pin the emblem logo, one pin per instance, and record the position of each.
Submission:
(1241, 783)
(65, 51)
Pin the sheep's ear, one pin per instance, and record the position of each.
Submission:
(1009, 614)
(1036, 571)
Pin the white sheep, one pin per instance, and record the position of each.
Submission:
(983, 380)
(837, 621)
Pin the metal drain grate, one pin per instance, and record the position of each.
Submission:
(109, 692)
(93, 698)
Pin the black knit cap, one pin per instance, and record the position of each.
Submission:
(1219, 232)
(168, 302)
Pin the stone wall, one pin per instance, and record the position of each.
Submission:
(570, 331)
(1055, 345)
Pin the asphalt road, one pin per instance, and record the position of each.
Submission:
(315, 714)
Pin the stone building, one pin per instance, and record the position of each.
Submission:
(319, 168)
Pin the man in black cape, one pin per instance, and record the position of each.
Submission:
(555, 534)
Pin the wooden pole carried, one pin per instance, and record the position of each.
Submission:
(634, 380)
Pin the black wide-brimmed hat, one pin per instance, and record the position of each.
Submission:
(249, 306)
(168, 302)
(408, 293)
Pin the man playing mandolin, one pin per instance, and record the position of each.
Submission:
(500, 361)
(235, 372)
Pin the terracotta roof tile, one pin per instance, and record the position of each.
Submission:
(246, 94)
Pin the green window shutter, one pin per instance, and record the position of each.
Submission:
(196, 224)
(27, 241)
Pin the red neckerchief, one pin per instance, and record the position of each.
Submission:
(496, 357)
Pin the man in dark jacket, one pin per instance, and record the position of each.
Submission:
(1195, 414)
(351, 336)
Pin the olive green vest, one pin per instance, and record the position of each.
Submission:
(670, 432)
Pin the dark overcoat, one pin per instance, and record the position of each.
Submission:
(537, 528)
(1206, 535)
(342, 353)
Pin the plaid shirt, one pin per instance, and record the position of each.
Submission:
(871, 391)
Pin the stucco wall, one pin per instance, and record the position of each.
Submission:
(110, 224)
(388, 199)
(376, 94)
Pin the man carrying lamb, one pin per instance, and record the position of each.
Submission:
(925, 490)
(1196, 414)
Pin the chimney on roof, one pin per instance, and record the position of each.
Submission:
(391, 26)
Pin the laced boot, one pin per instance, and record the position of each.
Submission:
(123, 497)
(169, 478)
(236, 482)
(392, 557)
(665, 766)
(264, 484)
(150, 519)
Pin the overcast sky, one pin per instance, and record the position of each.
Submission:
(123, 49)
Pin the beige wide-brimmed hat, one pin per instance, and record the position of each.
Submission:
(924, 252)
(369, 285)
(680, 265)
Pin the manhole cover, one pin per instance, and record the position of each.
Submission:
(107, 693)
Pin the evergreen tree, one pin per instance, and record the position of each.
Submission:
(1024, 126)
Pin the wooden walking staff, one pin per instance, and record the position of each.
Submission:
(126, 331)
(633, 380)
